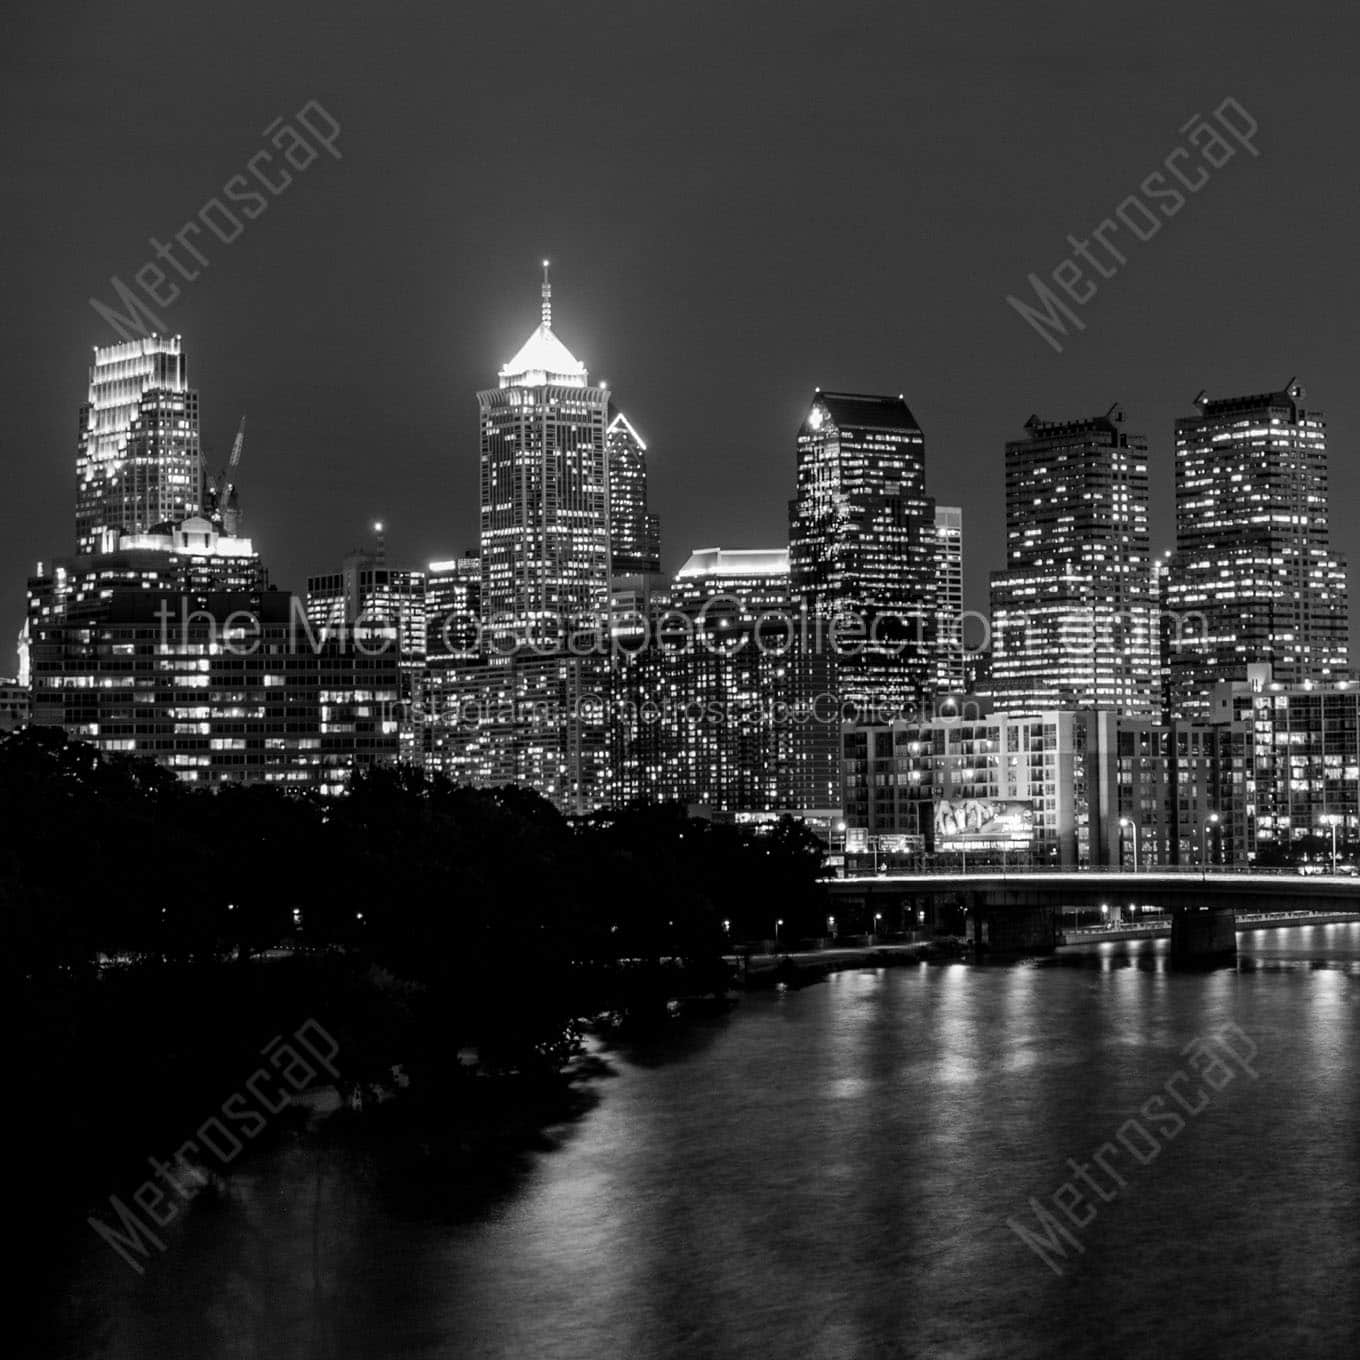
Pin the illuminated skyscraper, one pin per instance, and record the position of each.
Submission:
(138, 462)
(861, 531)
(544, 497)
(1074, 613)
(1255, 577)
(545, 573)
(635, 534)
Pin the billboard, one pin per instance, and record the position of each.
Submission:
(983, 824)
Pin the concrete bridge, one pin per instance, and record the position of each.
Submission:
(1021, 912)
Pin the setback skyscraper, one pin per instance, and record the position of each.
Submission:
(1255, 577)
(138, 462)
(1074, 613)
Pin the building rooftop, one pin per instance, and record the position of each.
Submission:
(858, 410)
(735, 562)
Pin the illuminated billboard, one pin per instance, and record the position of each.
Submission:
(983, 824)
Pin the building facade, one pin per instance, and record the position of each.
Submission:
(722, 707)
(1255, 578)
(1063, 789)
(1074, 613)
(218, 688)
(138, 461)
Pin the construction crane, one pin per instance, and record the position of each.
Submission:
(226, 504)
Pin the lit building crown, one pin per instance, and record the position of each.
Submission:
(543, 359)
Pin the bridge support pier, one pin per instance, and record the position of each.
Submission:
(1010, 930)
(1203, 936)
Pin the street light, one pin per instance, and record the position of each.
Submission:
(873, 925)
(1331, 819)
(779, 922)
(1210, 820)
(1132, 826)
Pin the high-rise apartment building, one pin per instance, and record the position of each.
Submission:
(861, 531)
(1255, 578)
(634, 532)
(138, 461)
(1074, 613)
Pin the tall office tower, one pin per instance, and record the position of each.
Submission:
(138, 462)
(951, 674)
(634, 533)
(1255, 577)
(1074, 613)
(860, 543)
(544, 494)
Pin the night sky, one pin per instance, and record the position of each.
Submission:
(741, 201)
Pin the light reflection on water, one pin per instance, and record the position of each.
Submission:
(828, 1173)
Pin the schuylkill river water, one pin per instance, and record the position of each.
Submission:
(829, 1173)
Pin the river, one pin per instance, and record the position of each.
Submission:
(830, 1173)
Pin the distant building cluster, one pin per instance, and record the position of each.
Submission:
(1112, 705)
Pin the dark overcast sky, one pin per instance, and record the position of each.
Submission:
(742, 201)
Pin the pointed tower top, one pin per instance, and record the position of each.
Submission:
(543, 358)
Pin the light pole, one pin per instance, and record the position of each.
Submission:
(779, 922)
(873, 925)
(1132, 826)
(1210, 820)
(1331, 819)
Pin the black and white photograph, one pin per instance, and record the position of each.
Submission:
(680, 681)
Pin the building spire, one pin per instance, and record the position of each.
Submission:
(547, 297)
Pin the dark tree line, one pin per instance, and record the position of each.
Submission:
(141, 921)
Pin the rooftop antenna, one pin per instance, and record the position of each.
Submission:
(547, 297)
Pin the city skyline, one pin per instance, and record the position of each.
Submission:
(354, 362)
(978, 594)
